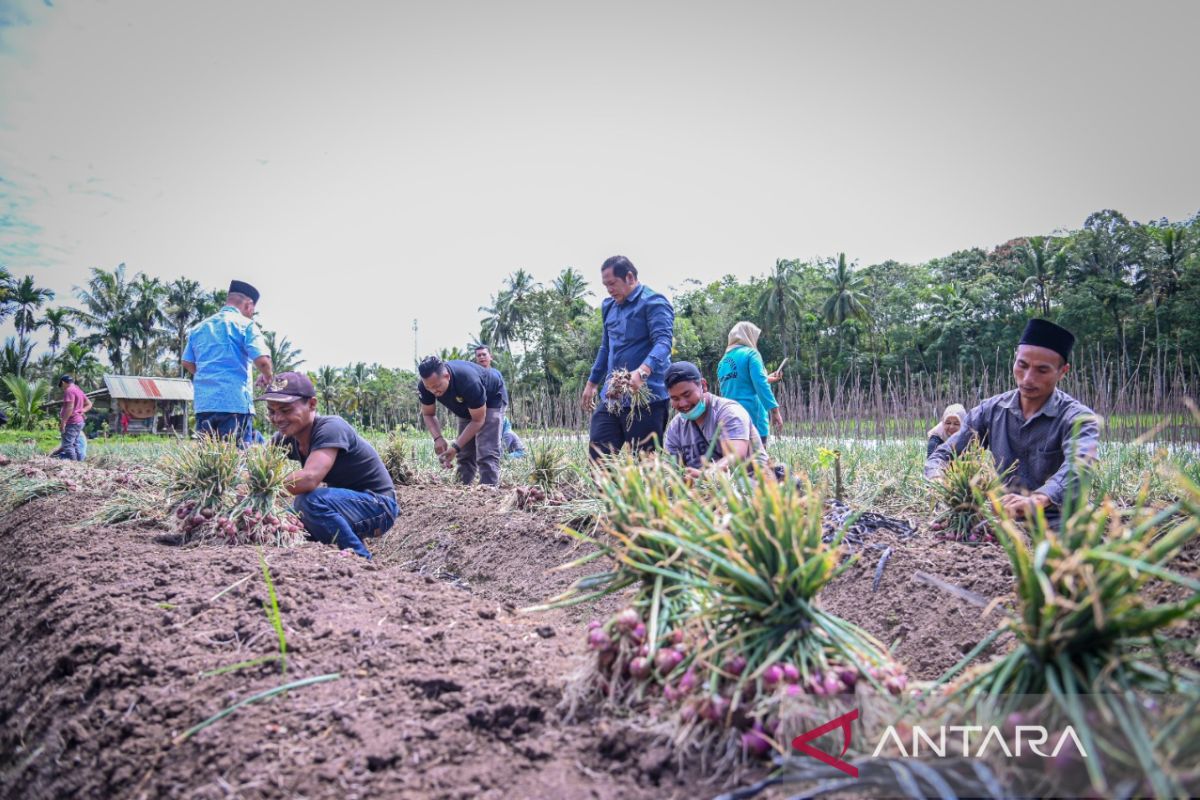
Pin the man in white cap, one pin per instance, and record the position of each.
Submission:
(219, 353)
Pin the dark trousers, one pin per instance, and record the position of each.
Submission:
(610, 432)
(225, 424)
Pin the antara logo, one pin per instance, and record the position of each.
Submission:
(1032, 736)
(941, 743)
(801, 742)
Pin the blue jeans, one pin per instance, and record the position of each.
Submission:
(226, 423)
(344, 516)
(70, 446)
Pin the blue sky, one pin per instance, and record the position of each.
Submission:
(368, 164)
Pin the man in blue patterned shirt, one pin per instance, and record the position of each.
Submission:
(1049, 435)
(639, 325)
(219, 353)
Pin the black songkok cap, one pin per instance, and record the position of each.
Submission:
(682, 371)
(241, 287)
(1043, 333)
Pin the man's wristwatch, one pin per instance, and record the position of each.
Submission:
(645, 372)
(454, 444)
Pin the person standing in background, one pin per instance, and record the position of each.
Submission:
(743, 377)
(218, 355)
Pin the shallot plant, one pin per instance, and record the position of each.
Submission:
(644, 643)
(1085, 627)
(756, 555)
(201, 481)
(620, 393)
(262, 516)
(961, 493)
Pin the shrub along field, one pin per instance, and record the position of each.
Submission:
(159, 662)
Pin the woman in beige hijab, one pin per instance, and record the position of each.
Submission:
(952, 422)
(744, 378)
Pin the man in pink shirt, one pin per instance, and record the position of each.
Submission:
(70, 423)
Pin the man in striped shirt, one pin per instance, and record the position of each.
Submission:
(1049, 435)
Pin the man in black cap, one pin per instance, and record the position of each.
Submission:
(218, 355)
(476, 396)
(358, 497)
(707, 432)
(1047, 433)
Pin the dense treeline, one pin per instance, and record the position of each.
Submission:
(1129, 290)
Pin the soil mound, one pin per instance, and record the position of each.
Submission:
(106, 634)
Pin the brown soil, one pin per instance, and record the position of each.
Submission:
(444, 690)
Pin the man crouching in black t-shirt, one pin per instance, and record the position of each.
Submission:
(358, 498)
(476, 396)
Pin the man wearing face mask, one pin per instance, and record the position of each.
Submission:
(708, 432)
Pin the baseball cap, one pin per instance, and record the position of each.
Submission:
(287, 387)
(682, 371)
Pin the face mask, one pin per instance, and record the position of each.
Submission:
(696, 413)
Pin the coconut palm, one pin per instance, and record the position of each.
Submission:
(780, 303)
(25, 404)
(106, 301)
(846, 299)
(145, 322)
(6, 289)
(1038, 269)
(58, 322)
(185, 303)
(14, 358)
(570, 289)
(27, 298)
(79, 362)
(500, 325)
(283, 357)
(327, 385)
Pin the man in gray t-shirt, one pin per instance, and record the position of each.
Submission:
(707, 428)
(342, 490)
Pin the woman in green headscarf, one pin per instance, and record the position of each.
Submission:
(744, 378)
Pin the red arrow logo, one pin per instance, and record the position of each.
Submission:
(801, 743)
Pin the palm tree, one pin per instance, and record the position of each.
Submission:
(106, 301)
(145, 323)
(27, 298)
(6, 291)
(570, 289)
(1037, 266)
(25, 406)
(58, 322)
(356, 378)
(846, 300)
(14, 358)
(520, 291)
(185, 303)
(1169, 250)
(283, 357)
(80, 363)
(499, 327)
(327, 387)
(780, 302)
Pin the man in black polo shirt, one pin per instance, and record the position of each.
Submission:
(358, 498)
(477, 397)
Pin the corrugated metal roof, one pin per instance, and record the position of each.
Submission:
(132, 387)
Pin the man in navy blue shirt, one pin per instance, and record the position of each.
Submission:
(638, 328)
(476, 396)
